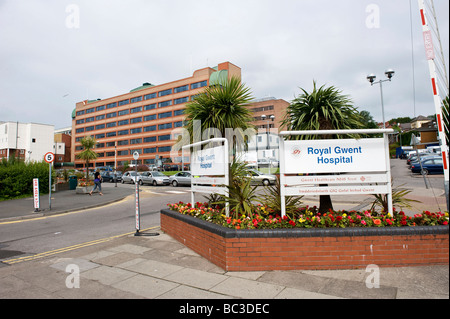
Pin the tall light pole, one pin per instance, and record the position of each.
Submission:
(371, 78)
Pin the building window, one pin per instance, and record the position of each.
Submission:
(150, 150)
(136, 99)
(111, 134)
(181, 100)
(123, 142)
(198, 85)
(112, 114)
(150, 139)
(150, 128)
(100, 126)
(109, 144)
(80, 113)
(100, 117)
(100, 108)
(150, 107)
(164, 115)
(90, 110)
(119, 153)
(136, 109)
(178, 124)
(80, 130)
(111, 105)
(136, 130)
(136, 120)
(124, 102)
(111, 124)
(164, 149)
(123, 122)
(149, 96)
(181, 88)
(80, 121)
(123, 132)
(164, 126)
(124, 112)
(164, 137)
(90, 128)
(150, 117)
(136, 141)
(178, 112)
(165, 92)
(99, 136)
(165, 103)
(89, 119)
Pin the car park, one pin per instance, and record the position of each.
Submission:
(154, 178)
(259, 178)
(430, 165)
(180, 178)
(130, 177)
(109, 176)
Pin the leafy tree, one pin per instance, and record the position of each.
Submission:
(324, 108)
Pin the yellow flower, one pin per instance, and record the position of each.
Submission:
(301, 220)
(344, 215)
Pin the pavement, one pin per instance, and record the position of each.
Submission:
(155, 266)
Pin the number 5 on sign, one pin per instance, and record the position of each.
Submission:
(49, 157)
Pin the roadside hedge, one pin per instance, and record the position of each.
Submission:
(16, 178)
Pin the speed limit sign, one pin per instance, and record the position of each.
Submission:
(49, 157)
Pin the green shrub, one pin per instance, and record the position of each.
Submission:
(16, 178)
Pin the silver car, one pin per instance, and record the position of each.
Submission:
(130, 177)
(259, 178)
(180, 178)
(154, 178)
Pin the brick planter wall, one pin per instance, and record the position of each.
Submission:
(329, 248)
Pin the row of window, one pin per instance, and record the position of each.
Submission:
(133, 141)
(148, 97)
(132, 131)
(131, 111)
(148, 150)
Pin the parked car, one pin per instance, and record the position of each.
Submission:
(259, 178)
(154, 178)
(130, 177)
(109, 176)
(423, 158)
(429, 166)
(180, 178)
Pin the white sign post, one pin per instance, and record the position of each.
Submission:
(49, 157)
(36, 194)
(207, 168)
(362, 165)
(137, 206)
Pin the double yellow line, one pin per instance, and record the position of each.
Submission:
(70, 248)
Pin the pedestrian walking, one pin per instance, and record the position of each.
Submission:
(97, 183)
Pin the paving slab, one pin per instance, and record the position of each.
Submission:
(145, 286)
(248, 289)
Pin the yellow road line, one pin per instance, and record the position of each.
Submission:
(69, 248)
(62, 214)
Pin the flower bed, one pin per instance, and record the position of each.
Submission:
(308, 217)
(336, 240)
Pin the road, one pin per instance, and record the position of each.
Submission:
(35, 236)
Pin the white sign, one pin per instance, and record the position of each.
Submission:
(329, 156)
(209, 161)
(36, 194)
(136, 155)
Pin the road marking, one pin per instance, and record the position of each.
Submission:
(69, 248)
(176, 192)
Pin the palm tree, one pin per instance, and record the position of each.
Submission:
(88, 143)
(325, 108)
(221, 107)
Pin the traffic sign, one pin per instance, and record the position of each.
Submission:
(136, 155)
(49, 157)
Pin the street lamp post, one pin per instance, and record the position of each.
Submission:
(371, 78)
(272, 117)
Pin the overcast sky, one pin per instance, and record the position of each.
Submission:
(55, 53)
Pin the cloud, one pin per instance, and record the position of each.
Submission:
(280, 46)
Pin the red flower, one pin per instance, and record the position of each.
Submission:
(292, 223)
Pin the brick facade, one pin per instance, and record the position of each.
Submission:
(289, 249)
